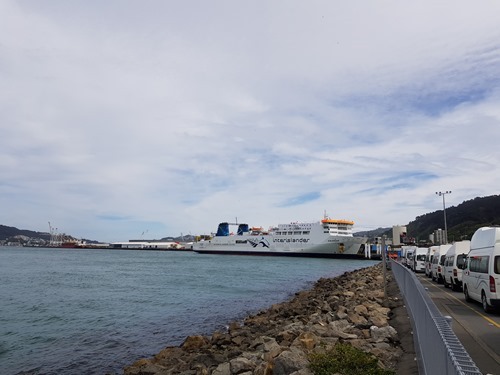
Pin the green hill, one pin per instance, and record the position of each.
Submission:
(7, 232)
(462, 220)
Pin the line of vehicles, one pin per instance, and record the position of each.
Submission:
(469, 266)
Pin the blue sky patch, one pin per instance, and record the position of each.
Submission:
(301, 199)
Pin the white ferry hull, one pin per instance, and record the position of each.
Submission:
(327, 239)
(266, 245)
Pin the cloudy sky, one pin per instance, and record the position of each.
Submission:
(119, 118)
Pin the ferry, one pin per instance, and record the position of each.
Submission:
(328, 238)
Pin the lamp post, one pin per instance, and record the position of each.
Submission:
(442, 194)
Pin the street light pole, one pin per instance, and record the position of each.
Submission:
(442, 194)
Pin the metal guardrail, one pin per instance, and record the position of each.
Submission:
(437, 347)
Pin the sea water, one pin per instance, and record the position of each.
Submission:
(81, 311)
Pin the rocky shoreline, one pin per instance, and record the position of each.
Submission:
(349, 308)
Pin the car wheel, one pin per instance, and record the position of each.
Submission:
(466, 294)
(484, 302)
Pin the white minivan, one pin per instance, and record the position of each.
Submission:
(428, 260)
(407, 255)
(481, 275)
(454, 264)
(419, 259)
(437, 267)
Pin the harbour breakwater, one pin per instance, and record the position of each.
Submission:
(351, 309)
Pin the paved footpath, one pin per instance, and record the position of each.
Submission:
(478, 332)
(400, 320)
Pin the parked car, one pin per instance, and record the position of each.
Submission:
(481, 275)
(454, 264)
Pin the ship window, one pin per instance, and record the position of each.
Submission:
(305, 232)
(297, 232)
(290, 233)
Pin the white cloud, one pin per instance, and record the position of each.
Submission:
(121, 117)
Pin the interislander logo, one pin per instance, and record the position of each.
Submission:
(263, 242)
(291, 240)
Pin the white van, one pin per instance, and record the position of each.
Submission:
(419, 259)
(428, 260)
(454, 264)
(409, 258)
(437, 267)
(481, 275)
(434, 264)
(407, 255)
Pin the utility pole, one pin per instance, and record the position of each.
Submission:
(384, 266)
(442, 194)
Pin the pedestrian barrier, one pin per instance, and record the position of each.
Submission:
(438, 349)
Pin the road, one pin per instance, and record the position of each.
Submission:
(478, 331)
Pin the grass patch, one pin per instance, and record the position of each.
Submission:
(346, 359)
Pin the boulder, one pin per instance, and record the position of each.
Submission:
(222, 369)
(241, 365)
(290, 361)
(193, 343)
(383, 333)
(306, 340)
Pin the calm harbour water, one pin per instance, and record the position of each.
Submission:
(79, 311)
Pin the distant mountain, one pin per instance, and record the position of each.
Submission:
(24, 237)
(8, 232)
(185, 238)
(379, 232)
(462, 221)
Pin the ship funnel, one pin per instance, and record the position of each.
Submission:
(223, 229)
(242, 228)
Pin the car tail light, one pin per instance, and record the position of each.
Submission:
(493, 287)
(455, 273)
(439, 268)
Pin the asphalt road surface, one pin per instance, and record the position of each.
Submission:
(479, 332)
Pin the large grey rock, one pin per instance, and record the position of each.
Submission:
(240, 365)
(290, 361)
(383, 333)
(222, 369)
